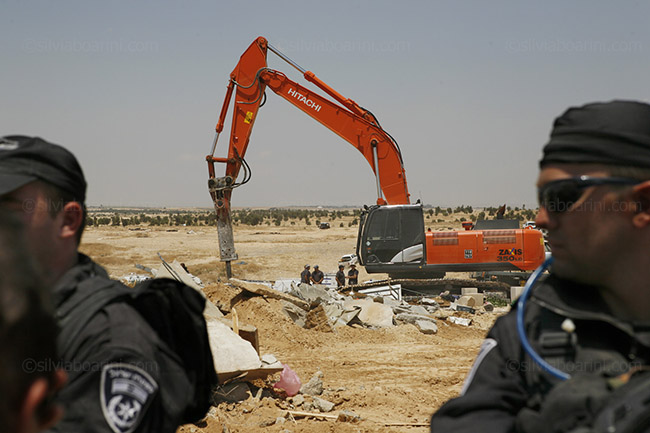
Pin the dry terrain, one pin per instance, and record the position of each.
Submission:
(393, 378)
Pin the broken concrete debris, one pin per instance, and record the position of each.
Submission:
(426, 327)
(323, 308)
(313, 295)
(387, 291)
(372, 314)
(340, 315)
(348, 416)
(295, 313)
(322, 405)
(297, 400)
(463, 321)
(263, 290)
(233, 354)
(458, 307)
(314, 386)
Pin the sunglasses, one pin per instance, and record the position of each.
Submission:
(560, 195)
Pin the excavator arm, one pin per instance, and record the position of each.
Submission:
(248, 82)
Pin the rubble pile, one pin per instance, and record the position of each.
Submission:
(358, 309)
(253, 386)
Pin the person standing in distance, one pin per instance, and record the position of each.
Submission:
(305, 275)
(317, 276)
(340, 277)
(353, 275)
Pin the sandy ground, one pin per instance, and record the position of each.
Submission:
(393, 378)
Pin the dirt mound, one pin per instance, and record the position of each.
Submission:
(376, 373)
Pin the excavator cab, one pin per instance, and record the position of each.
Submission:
(392, 240)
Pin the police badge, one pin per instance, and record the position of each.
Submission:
(126, 391)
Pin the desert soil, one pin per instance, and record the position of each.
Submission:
(393, 378)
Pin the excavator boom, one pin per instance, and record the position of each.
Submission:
(248, 83)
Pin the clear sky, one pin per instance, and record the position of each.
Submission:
(469, 89)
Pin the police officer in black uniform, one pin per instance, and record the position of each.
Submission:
(122, 377)
(305, 275)
(317, 276)
(340, 277)
(353, 275)
(575, 359)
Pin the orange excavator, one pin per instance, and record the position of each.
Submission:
(392, 238)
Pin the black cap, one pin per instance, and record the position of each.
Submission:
(610, 133)
(26, 159)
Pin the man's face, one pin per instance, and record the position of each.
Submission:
(32, 205)
(589, 239)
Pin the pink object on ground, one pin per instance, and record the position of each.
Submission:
(289, 381)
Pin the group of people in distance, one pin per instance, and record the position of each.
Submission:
(571, 356)
(317, 276)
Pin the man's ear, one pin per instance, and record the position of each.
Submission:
(641, 204)
(37, 411)
(35, 396)
(73, 216)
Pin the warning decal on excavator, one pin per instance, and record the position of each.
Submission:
(249, 117)
(469, 254)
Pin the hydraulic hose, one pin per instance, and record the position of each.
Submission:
(521, 329)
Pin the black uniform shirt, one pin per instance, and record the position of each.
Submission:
(121, 376)
(340, 278)
(354, 276)
(305, 276)
(317, 276)
(505, 388)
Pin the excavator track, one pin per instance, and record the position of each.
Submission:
(435, 286)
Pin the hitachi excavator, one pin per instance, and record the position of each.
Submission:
(392, 237)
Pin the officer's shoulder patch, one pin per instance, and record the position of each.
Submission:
(125, 392)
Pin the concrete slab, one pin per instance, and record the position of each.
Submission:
(412, 318)
(466, 301)
(515, 292)
(231, 353)
(468, 290)
(426, 327)
(372, 313)
(460, 320)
